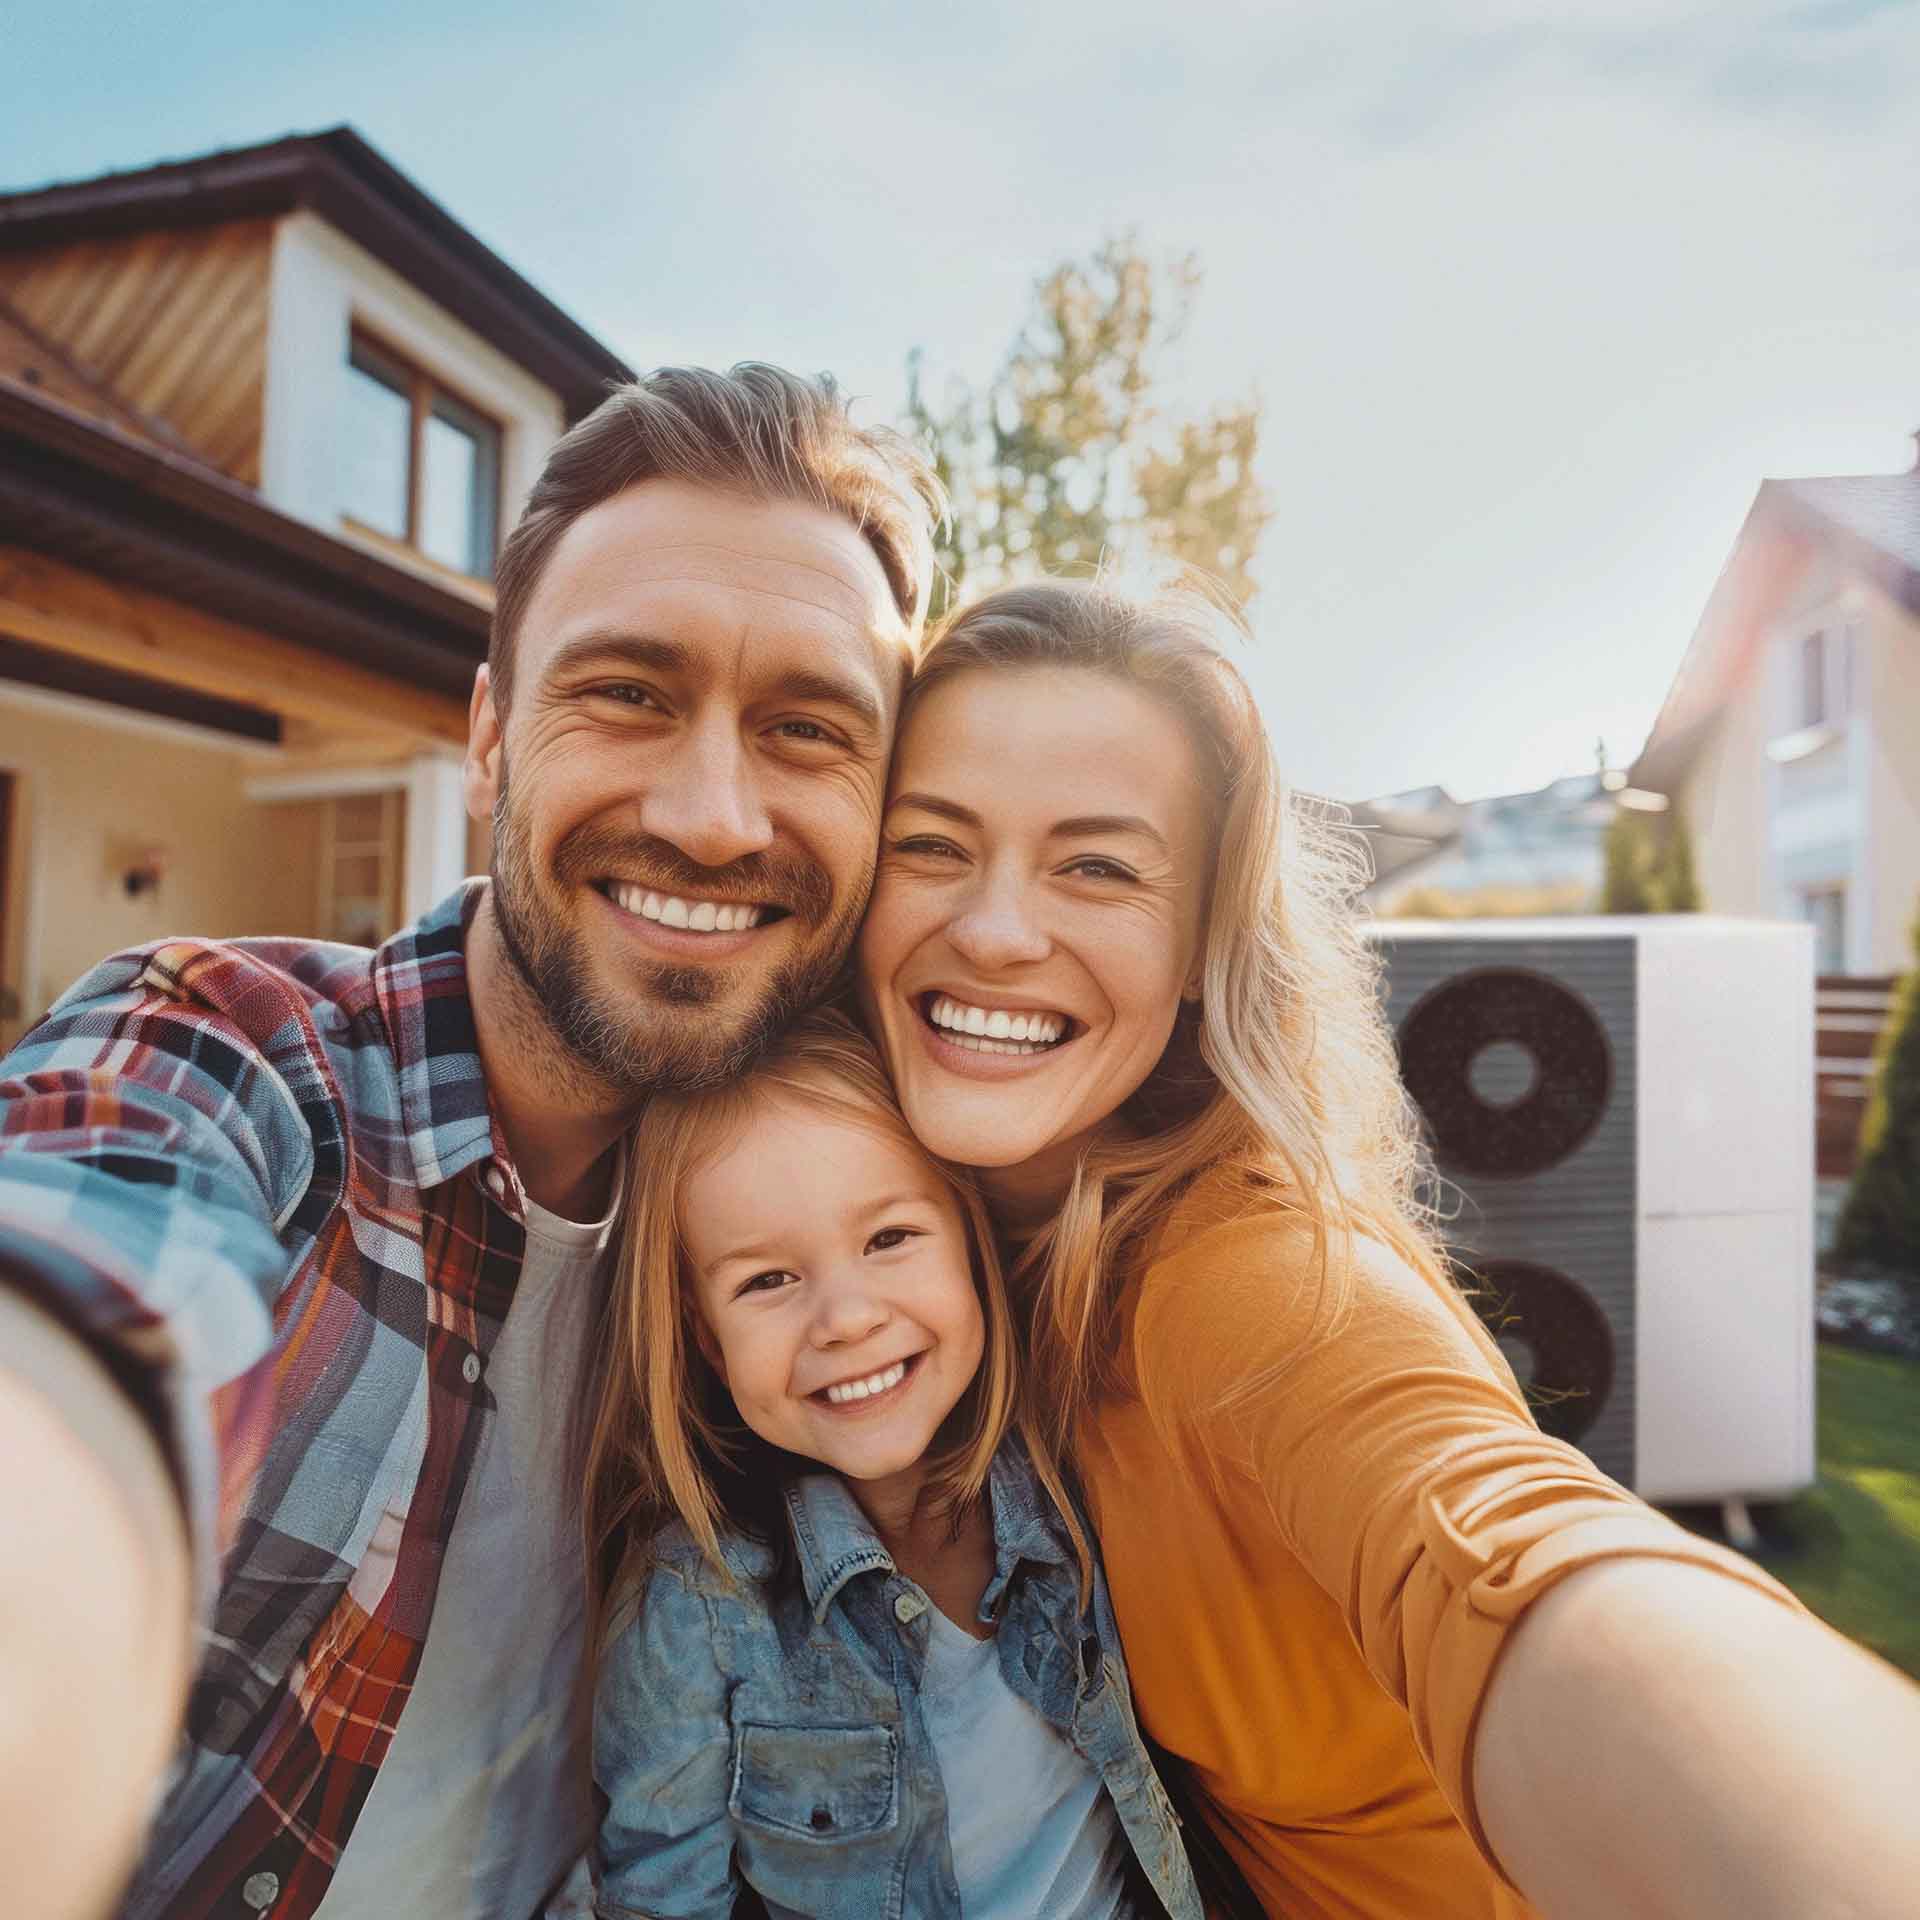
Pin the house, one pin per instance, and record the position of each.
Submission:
(1790, 738)
(264, 416)
(1513, 853)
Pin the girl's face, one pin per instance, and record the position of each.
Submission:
(1043, 867)
(834, 1287)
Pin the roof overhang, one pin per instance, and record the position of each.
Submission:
(88, 493)
(339, 177)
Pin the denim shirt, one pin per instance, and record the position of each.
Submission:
(776, 1736)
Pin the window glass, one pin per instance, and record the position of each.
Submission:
(459, 482)
(1813, 679)
(376, 442)
(1826, 908)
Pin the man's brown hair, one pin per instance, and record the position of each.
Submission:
(756, 431)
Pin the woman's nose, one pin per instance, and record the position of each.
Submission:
(997, 928)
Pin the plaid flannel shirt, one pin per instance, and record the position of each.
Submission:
(265, 1174)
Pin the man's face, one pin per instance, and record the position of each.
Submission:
(686, 788)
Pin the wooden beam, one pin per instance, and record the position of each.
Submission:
(56, 605)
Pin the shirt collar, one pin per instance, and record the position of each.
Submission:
(420, 981)
(835, 1541)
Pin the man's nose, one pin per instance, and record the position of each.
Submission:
(705, 799)
(997, 925)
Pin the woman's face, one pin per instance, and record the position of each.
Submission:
(1036, 918)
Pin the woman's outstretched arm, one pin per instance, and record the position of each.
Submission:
(1658, 1741)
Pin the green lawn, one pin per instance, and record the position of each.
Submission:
(1850, 1547)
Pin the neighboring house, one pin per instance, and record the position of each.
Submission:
(1515, 853)
(1791, 736)
(264, 416)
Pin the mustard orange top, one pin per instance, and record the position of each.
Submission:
(1313, 1591)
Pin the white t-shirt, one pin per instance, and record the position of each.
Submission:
(484, 1801)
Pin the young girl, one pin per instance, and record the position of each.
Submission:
(869, 1666)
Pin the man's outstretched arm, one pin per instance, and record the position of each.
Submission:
(94, 1612)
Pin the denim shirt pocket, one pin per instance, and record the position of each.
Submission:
(817, 1818)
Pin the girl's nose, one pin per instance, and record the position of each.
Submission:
(846, 1313)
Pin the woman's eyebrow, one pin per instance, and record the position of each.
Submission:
(1098, 823)
(940, 809)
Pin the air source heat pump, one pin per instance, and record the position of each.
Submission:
(1623, 1110)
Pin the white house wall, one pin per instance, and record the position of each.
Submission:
(322, 283)
(1725, 803)
(1887, 679)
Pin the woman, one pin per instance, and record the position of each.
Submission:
(1417, 1654)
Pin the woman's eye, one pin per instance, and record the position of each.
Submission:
(890, 1237)
(924, 846)
(1094, 868)
(769, 1282)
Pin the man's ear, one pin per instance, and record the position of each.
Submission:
(480, 771)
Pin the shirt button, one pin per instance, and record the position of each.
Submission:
(470, 1368)
(908, 1608)
(261, 1891)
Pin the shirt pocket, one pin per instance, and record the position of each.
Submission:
(817, 1783)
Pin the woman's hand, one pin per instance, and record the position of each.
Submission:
(1660, 1741)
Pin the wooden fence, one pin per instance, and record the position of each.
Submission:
(1849, 1012)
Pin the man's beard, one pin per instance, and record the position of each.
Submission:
(676, 1040)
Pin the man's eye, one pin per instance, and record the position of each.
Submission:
(769, 1282)
(626, 694)
(890, 1237)
(809, 731)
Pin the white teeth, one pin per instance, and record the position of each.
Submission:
(849, 1390)
(697, 916)
(978, 1030)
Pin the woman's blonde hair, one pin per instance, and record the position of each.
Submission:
(664, 1441)
(1282, 1075)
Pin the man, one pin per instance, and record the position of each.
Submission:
(303, 1248)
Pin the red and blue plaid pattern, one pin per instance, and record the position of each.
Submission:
(265, 1172)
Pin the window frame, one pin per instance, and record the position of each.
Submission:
(422, 389)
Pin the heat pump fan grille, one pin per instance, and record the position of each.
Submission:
(1564, 1050)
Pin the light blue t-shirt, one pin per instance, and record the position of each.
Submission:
(1032, 1829)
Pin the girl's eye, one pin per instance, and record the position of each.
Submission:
(769, 1282)
(890, 1237)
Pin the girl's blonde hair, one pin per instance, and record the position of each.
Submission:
(664, 1441)
(1283, 1074)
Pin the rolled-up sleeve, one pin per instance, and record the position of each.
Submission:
(1375, 1422)
(150, 1156)
(662, 1755)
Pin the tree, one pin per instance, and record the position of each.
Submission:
(1068, 455)
(1880, 1221)
(1649, 864)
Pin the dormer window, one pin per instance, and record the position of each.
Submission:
(420, 466)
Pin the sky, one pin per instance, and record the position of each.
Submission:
(1533, 296)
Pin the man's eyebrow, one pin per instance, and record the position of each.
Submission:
(1078, 827)
(634, 649)
(828, 690)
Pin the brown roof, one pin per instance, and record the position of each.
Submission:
(338, 176)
